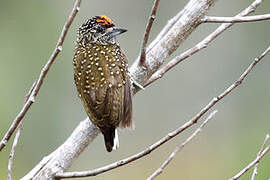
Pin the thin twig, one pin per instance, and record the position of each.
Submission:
(27, 96)
(170, 135)
(12, 152)
(203, 44)
(255, 172)
(210, 19)
(253, 163)
(180, 147)
(42, 76)
(151, 19)
(17, 136)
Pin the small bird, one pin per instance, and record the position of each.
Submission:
(102, 78)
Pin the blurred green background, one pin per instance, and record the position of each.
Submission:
(29, 31)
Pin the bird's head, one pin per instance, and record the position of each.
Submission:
(99, 29)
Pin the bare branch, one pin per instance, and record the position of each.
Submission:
(12, 152)
(42, 76)
(169, 39)
(62, 158)
(170, 135)
(203, 44)
(17, 136)
(253, 163)
(151, 19)
(209, 19)
(27, 96)
(255, 172)
(180, 147)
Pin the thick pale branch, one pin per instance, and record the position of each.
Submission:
(170, 135)
(209, 19)
(42, 76)
(169, 39)
(180, 147)
(62, 158)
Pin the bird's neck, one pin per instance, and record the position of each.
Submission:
(88, 39)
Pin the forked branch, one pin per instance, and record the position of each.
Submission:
(260, 155)
(201, 45)
(255, 171)
(180, 147)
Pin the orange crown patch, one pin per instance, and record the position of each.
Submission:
(104, 20)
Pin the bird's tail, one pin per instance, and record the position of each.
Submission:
(111, 139)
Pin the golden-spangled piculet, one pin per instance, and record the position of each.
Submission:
(102, 79)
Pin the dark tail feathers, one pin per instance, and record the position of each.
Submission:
(109, 135)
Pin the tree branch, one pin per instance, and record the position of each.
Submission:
(201, 45)
(12, 152)
(151, 19)
(17, 136)
(209, 19)
(255, 162)
(170, 135)
(62, 158)
(180, 147)
(42, 76)
(255, 172)
(169, 39)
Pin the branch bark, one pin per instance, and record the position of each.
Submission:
(62, 158)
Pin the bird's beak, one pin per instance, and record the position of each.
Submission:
(114, 31)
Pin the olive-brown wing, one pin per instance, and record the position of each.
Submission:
(105, 104)
(127, 121)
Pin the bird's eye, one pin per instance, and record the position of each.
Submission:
(100, 29)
